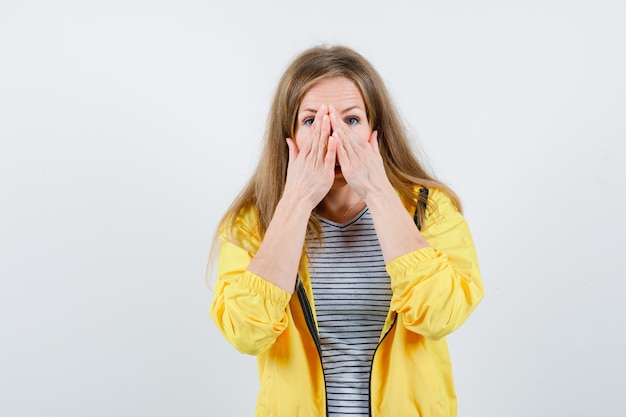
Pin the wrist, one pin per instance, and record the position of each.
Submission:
(294, 205)
(382, 195)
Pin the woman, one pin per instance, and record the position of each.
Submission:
(323, 271)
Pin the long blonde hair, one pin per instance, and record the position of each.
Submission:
(265, 188)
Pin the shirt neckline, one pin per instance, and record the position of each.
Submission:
(346, 223)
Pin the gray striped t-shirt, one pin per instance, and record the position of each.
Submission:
(352, 293)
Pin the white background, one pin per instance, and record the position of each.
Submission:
(127, 127)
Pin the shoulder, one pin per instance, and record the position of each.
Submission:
(437, 200)
(441, 201)
(441, 213)
(242, 229)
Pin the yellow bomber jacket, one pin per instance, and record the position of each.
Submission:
(434, 291)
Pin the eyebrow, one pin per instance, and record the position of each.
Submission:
(347, 110)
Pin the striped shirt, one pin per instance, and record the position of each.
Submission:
(352, 293)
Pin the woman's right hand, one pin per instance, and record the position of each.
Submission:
(310, 174)
(311, 169)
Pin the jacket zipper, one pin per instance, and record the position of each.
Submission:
(369, 396)
(424, 193)
(310, 323)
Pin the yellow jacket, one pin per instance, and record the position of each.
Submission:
(434, 291)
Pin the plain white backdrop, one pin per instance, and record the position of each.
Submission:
(127, 127)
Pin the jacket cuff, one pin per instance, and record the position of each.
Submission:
(411, 260)
(265, 289)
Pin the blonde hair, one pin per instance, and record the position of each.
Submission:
(266, 186)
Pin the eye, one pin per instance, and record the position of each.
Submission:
(352, 120)
(308, 122)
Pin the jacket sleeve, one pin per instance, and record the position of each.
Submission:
(436, 288)
(249, 311)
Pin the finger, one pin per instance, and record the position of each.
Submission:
(337, 122)
(342, 155)
(373, 141)
(293, 149)
(334, 118)
(316, 129)
(332, 109)
(331, 155)
(346, 141)
(341, 131)
(324, 137)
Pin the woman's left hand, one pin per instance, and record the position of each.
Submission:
(359, 157)
(363, 169)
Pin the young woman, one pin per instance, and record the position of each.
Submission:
(343, 264)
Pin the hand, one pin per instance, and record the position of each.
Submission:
(359, 157)
(311, 169)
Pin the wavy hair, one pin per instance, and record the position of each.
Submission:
(264, 190)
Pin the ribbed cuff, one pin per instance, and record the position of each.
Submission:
(411, 260)
(265, 289)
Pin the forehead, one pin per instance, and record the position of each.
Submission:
(338, 91)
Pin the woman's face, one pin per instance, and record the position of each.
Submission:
(344, 96)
